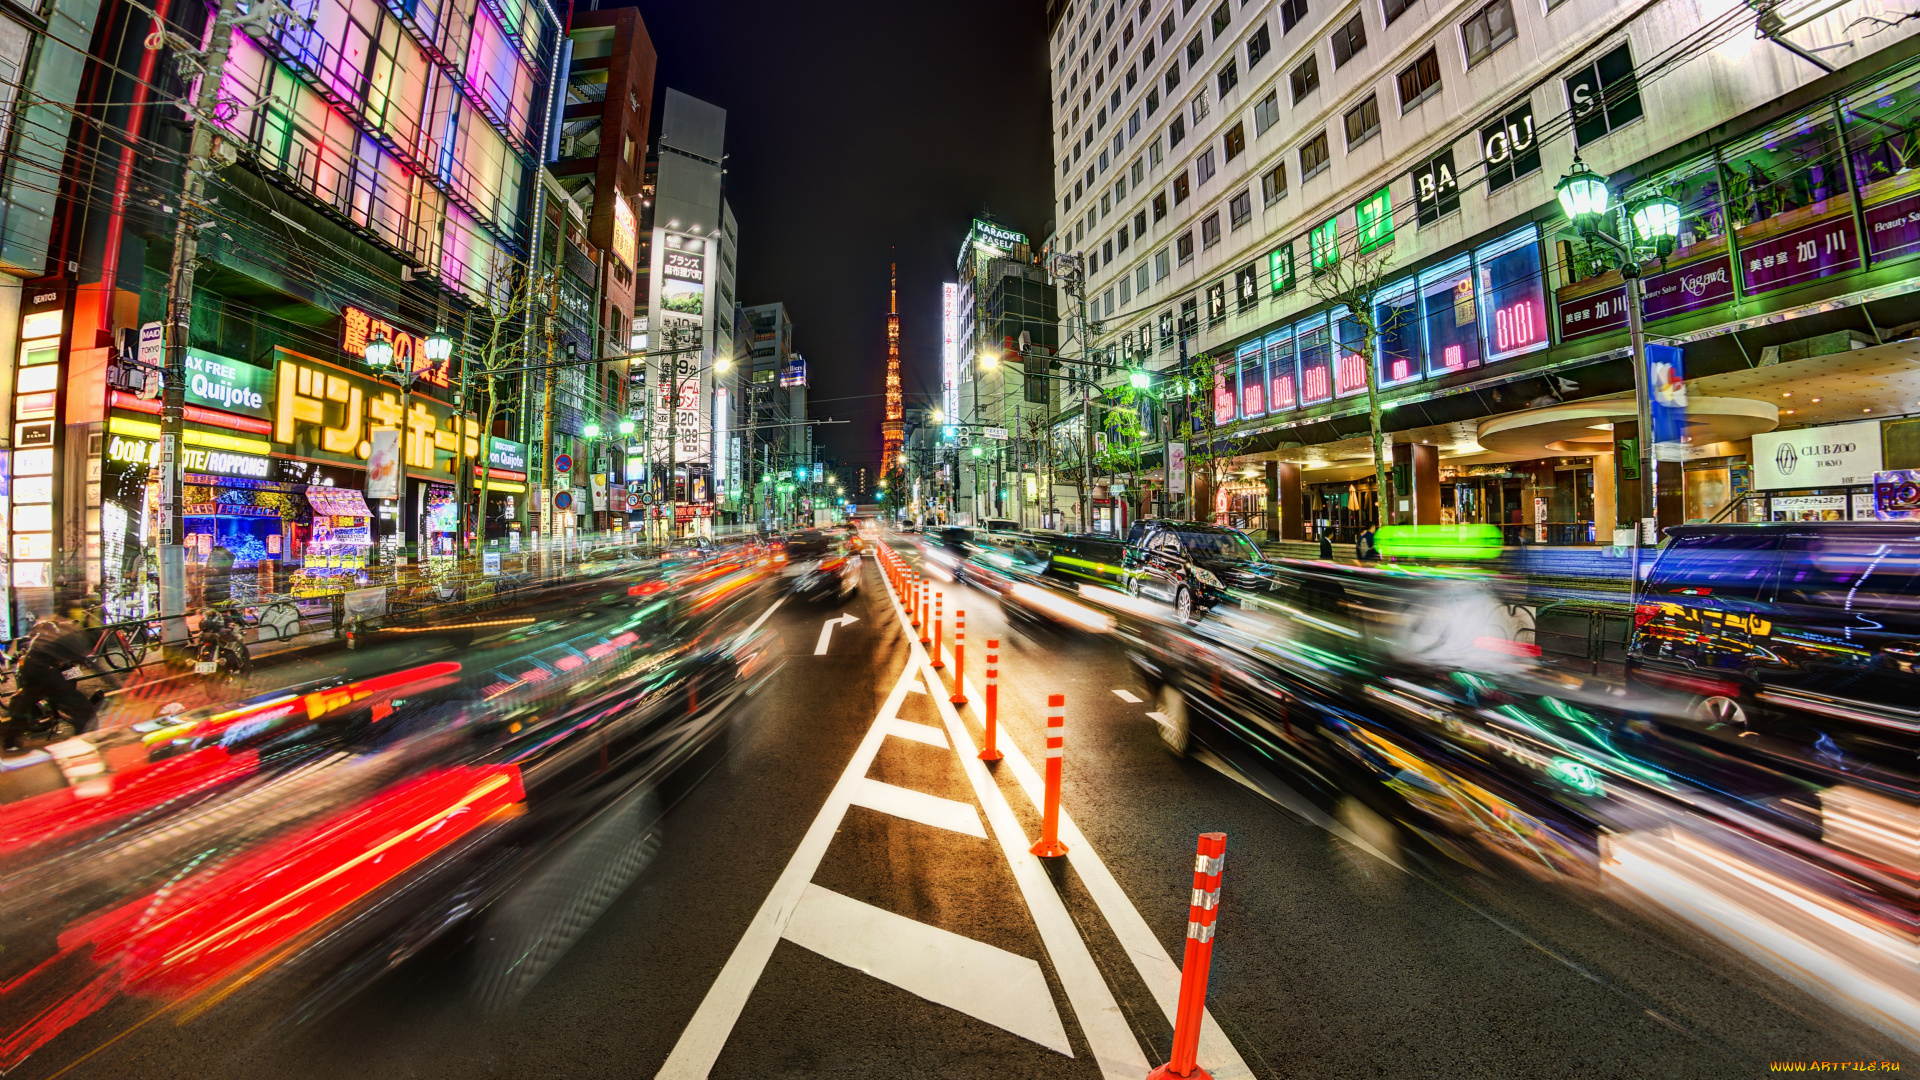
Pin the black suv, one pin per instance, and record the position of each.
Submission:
(1797, 641)
(1190, 564)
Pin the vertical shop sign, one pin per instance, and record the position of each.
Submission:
(1667, 394)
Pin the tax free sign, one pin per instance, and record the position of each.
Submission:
(216, 382)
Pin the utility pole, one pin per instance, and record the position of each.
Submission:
(186, 253)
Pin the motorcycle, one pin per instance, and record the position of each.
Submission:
(38, 718)
(220, 646)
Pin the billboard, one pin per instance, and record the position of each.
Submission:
(950, 348)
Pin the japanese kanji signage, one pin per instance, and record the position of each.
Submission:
(358, 327)
(1812, 251)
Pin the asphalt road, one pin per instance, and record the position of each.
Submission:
(846, 893)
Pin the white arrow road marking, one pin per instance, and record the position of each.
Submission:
(985, 982)
(1126, 696)
(917, 806)
(826, 631)
(914, 687)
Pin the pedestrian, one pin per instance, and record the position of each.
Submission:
(1364, 548)
(1326, 546)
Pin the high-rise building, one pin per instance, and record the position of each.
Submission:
(892, 429)
(1221, 168)
(776, 387)
(1001, 298)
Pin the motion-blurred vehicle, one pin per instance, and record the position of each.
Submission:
(821, 567)
(948, 547)
(1797, 641)
(1189, 564)
(488, 809)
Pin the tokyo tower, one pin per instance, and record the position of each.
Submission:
(893, 429)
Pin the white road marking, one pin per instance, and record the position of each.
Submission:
(749, 631)
(926, 733)
(914, 687)
(826, 631)
(1109, 1036)
(917, 806)
(700, 1044)
(1159, 718)
(1150, 958)
(1126, 696)
(975, 978)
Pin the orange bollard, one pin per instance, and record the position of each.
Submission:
(992, 752)
(1050, 846)
(926, 611)
(939, 616)
(959, 658)
(913, 602)
(1191, 1010)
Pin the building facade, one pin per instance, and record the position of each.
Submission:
(1220, 171)
(1000, 383)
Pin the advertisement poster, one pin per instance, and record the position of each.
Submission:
(1177, 468)
(599, 491)
(1809, 508)
(1896, 495)
(1667, 391)
(383, 464)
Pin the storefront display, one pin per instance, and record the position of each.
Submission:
(342, 534)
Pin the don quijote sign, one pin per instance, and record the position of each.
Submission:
(1837, 455)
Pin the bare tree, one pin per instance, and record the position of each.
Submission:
(1357, 280)
(1212, 445)
(500, 338)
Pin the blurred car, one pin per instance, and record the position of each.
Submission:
(819, 566)
(496, 808)
(947, 547)
(1794, 640)
(1189, 564)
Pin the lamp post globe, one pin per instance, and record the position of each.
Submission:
(379, 351)
(1140, 380)
(1583, 196)
(626, 427)
(438, 347)
(1656, 221)
(592, 431)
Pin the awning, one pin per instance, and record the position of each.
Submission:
(338, 502)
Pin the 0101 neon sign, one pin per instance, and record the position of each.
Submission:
(1283, 392)
(1516, 326)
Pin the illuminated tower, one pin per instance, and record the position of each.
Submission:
(893, 429)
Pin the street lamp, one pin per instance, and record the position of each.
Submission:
(438, 347)
(626, 427)
(379, 352)
(380, 360)
(1140, 379)
(1584, 197)
(989, 359)
(592, 431)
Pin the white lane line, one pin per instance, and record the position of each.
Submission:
(1150, 958)
(917, 806)
(990, 984)
(749, 631)
(1126, 696)
(700, 1044)
(926, 733)
(1159, 718)
(1115, 1049)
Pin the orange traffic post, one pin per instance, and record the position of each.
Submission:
(959, 657)
(926, 611)
(1050, 846)
(913, 601)
(992, 752)
(1201, 913)
(939, 616)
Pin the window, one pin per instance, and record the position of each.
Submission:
(1603, 96)
(1436, 187)
(1139, 172)
(1166, 330)
(1100, 119)
(1180, 188)
(1106, 251)
(1229, 78)
(1133, 78)
(1199, 106)
(1093, 262)
(1222, 17)
(1133, 124)
(1373, 220)
(1240, 208)
(1246, 291)
(1166, 29)
(1140, 223)
(1106, 204)
(1280, 267)
(1126, 35)
(1393, 9)
(1217, 305)
(1323, 244)
(1160, 270)
(1153, 153)
(1183, 247)
(1103, 161)
(1306, 78)
(1146, 53)
(1273, 184)
(1176, 131)
(1203, 167)
(1173, 78)
(1363, 121)
(1313, 157)
(1420, 81)
(1266, 113)
(1119, 144)
(1235, 140)
(1120, 238)
(1119, 189)
(1487, 29)
(1159, 205)
(1195, 50)
(1126, 289)
(1142, 279)
(1153, 100)
(1510, 148)
(1113, 58)
(1258, 46)
(1291, 12)
(1113, 103)
(1210, 230)
(1348, 41)
(1189, 318)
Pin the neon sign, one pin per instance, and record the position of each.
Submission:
(1350, 375)
(1283, 392)
(1315, 383)
(1517, 326)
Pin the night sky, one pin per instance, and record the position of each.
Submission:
(853, 128)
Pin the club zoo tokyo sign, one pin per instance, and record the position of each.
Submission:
(1835, 455)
